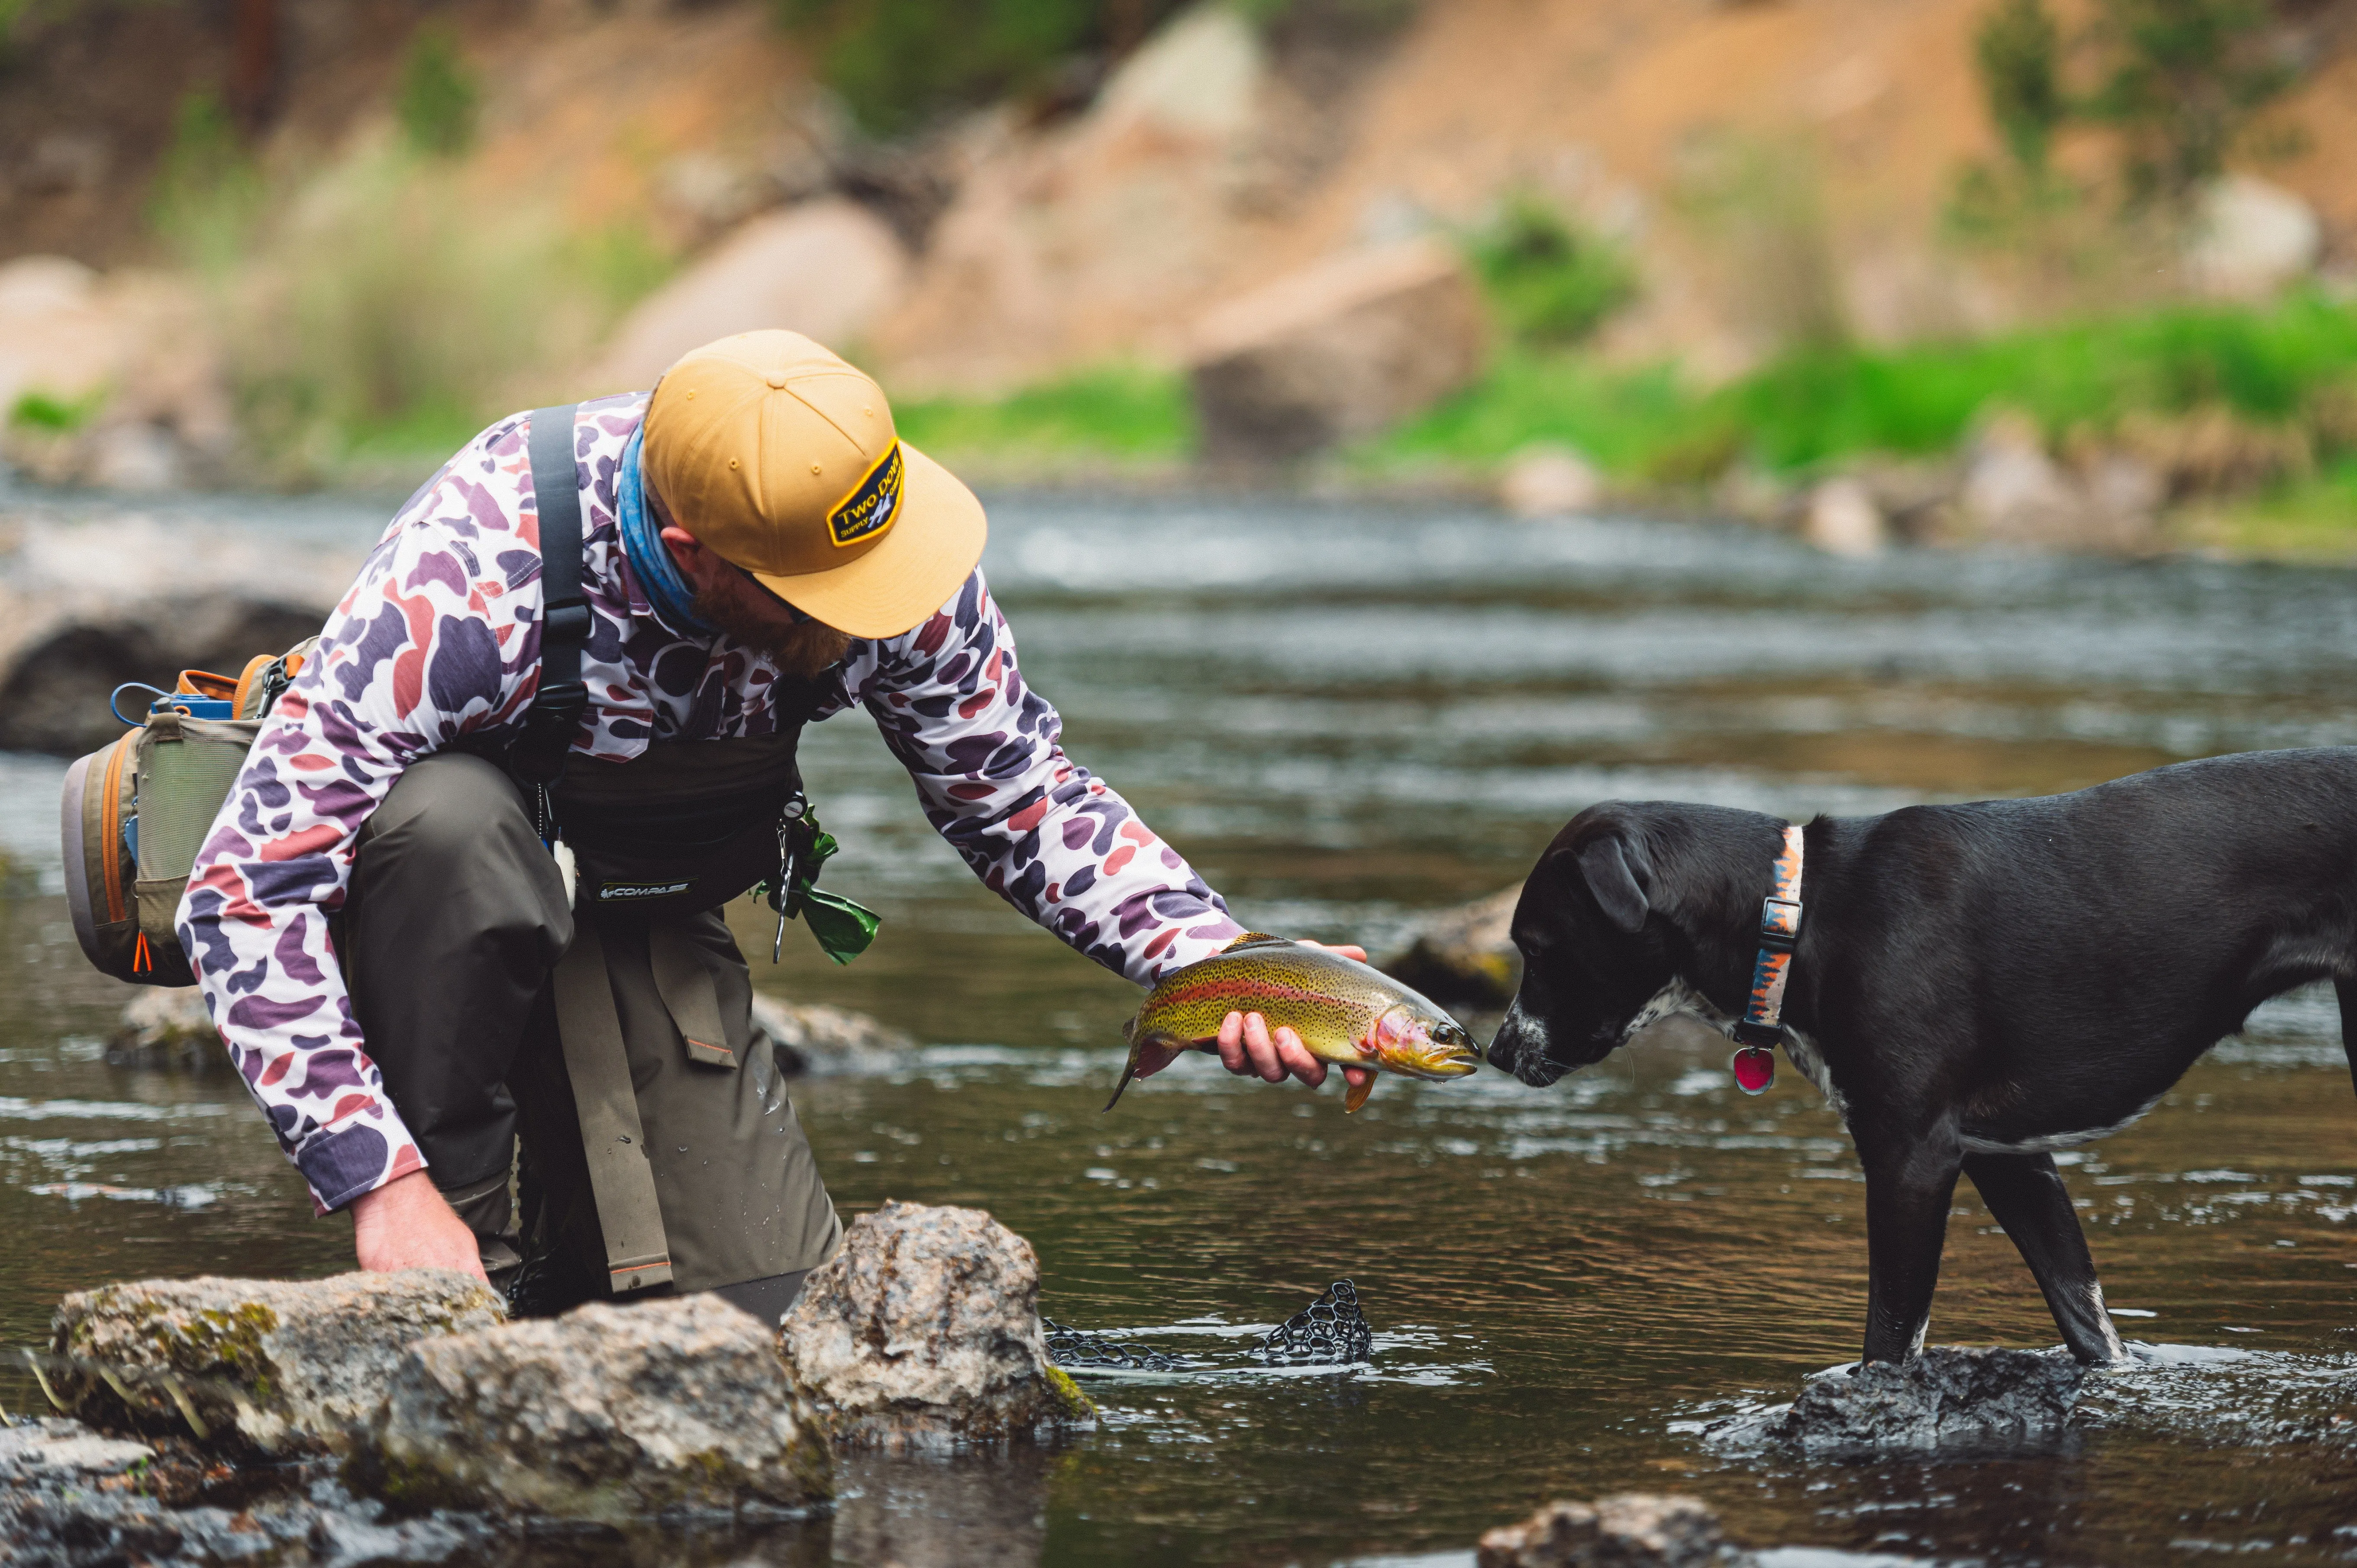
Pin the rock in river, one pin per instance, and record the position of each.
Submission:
(925, 1331)
(1464, 956)
(606, 1414)
(1341, 349)
(1635, 1530)
(281, 1366)
(1946, 1400)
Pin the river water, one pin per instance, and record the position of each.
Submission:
(1346, 715)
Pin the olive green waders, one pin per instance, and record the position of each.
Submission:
(614, 1034)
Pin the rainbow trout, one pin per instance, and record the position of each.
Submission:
(1345, 1011)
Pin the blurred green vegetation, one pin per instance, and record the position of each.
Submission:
(54, 415)
(898, 65)
(2289, 366)
(1551, 283)
(380, 310)
(1123, 414)
(903, 65)
(437, 98)
(2277, 365)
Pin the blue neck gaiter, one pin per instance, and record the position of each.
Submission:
(667, 591)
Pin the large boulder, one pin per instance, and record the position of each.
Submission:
(1944, 1400)
(1466, 955)
(165, 1026)
(126, 372)
(2249, 238)
(924, 1330)
(53, 694)
(606, 1413)
(278, 1366)
(1341, 349)
(829, 1042)
(827, 269)
(1635, 1530)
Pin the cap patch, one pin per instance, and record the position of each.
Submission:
(872, 504)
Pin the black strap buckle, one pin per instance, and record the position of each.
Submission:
(1767, 1036)
(1780, 924)
(568, 622)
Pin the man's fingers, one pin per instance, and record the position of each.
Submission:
(1298, 1059)
(1348, 950)
(1355, 1076)
(1231, 1043)
(1265, 1058)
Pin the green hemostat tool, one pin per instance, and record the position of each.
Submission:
(842, 929)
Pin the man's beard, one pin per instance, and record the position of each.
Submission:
(800, 651)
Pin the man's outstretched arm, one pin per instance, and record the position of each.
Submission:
(986, 752)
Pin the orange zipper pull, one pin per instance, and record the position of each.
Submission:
(141, 961)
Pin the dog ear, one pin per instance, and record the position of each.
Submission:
(1617, 873)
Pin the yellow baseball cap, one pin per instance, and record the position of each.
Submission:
(782, 458)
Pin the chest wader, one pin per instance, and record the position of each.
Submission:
(695, 1167)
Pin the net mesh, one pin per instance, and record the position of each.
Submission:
(1329, 1332)
(1071, 1348)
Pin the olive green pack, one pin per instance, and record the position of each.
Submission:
(135, 813)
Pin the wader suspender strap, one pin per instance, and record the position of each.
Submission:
(596, 1060)
(554, 717)
(689, 996)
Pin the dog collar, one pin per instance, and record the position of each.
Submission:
(1763, 1013)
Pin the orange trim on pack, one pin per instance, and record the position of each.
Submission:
(205, 684)
(245, 679)
(110, 851)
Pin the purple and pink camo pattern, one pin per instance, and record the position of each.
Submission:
(440, 637)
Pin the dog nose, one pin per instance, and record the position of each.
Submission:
(1505, 1046)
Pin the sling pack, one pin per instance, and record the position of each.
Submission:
(136, 812)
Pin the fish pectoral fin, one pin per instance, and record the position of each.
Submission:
(1255, 939)
(1356, 1095)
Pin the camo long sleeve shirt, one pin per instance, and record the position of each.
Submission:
(439, 637)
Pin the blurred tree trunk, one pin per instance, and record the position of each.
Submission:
(253, 63)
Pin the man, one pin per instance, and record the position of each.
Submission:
(395, 958)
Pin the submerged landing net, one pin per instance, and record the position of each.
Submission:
(1094, 1352)
(1329, 1332)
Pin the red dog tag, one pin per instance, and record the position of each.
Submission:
(1755, 1068)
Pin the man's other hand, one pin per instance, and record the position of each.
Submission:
(404, 1224)
(1247, 1045)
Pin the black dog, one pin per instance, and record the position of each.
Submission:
(1974, 987)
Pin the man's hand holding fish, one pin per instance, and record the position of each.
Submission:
(1327, 1006)
(1248, 1046)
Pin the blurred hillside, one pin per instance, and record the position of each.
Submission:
(279, 239)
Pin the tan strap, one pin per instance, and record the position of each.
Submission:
(622, 1179)
(689, 994)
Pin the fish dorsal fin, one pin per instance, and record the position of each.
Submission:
(1257, 939)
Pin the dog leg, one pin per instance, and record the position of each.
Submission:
(2026, 1195)
(2347, 990)
(1908, 1187)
